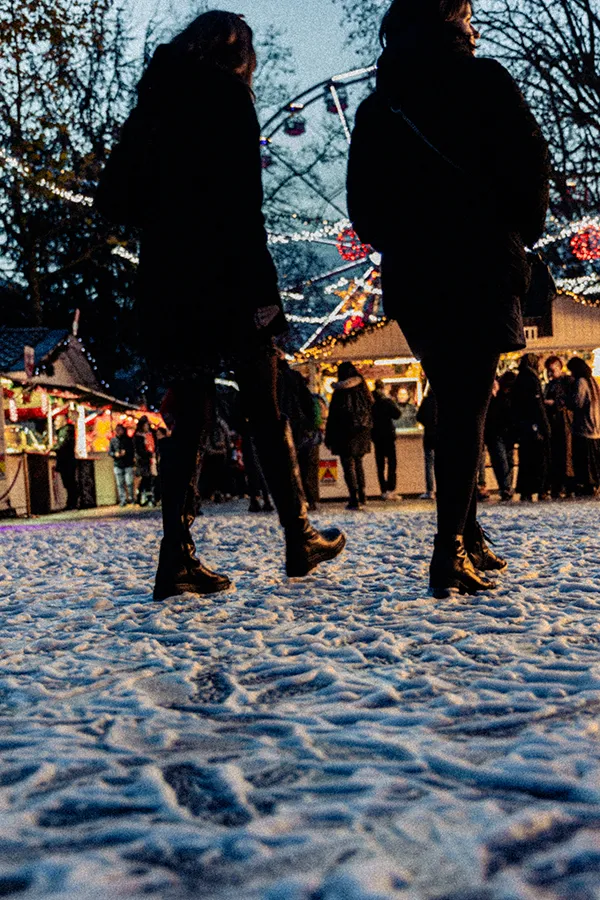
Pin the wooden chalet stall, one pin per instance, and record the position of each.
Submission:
(380, 351)
(46, 373)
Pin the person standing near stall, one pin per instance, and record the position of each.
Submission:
(348, 429)
(448, 179)
(386, 413)
(122, 453)
(585, 403)
(188, 171)
(532, 430)
(557, 398)
(66, 460)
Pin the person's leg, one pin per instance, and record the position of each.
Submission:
(69, 480)
(129, 485)
(191, 408)
(429, 470)
(120, 482)
(379, 445)
(305, 546)
(392, 465)
(350, 477)
(360, 479)
(497, 451)
(461, 421)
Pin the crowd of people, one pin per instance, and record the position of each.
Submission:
(550, 426)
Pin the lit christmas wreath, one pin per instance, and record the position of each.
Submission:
(350, 247)
(586, 244)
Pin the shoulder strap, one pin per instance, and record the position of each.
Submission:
(419, 133)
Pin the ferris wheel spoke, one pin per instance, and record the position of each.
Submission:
(308, 182)
(340, 111)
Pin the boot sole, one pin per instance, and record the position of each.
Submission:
(190, 589)
(301, 571)
(443, 593)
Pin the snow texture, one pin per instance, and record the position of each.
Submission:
(343, 737)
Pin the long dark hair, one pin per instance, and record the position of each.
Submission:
(221, 39)
(580, 369)
(432, 15)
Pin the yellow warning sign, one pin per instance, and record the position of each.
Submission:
(328, 471)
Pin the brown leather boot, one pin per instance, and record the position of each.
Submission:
(451, 569)
(179, 569)
(305, 547)
(481, 554)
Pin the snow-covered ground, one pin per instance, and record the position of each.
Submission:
(344, 737)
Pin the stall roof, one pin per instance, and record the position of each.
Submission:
(576, 326)
(12, 341)
(82, 394)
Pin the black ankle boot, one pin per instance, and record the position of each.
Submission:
(305, 547)
(451, 569)
(481, 554)
(179, 569)
(180, 572)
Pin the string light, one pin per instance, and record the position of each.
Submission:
(16, 165)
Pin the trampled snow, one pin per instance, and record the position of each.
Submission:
(341, 737)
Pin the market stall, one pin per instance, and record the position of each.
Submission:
(380, 351)
(38, 392)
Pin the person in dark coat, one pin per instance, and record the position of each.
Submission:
(448, 179)
(349, 428)
(145, 460)
(427, 417)
(385, 414)
(499, 438)
(585, 403)
(66, 461)
(532, 430)
(557, 400)
(122, 452)
(208, 296)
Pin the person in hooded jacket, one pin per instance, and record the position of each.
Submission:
(385, 414)
(532, 430)
(557, 397)
(585, 403)
(448, 179)
(349, 427)
(187, 171)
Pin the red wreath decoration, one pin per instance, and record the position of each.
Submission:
(354, 323)
(350, 247)
(586, 244)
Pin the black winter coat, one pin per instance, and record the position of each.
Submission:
(385, 412)
(205, 267)
(350, 420)
(453, 263)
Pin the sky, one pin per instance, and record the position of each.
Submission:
(313, 29)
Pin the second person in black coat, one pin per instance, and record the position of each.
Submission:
(348, 430)
(448, 178)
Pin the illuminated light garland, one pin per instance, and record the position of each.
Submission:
(583, 284)
(16, 165)
(126, 254)
(568, 230)
(585, 245)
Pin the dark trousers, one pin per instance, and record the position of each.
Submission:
(192, 407)
(385, 452)
(68, 474)
(308, 460)
(354, 476)
(501, 454)
(461, 421)
(429, 452)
